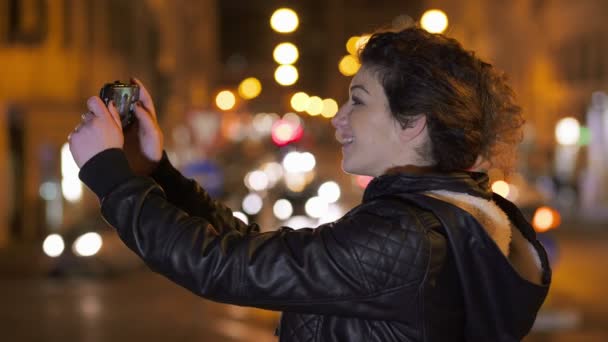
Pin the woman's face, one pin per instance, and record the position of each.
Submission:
(368, 133)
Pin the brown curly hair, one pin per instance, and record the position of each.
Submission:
(469, 107)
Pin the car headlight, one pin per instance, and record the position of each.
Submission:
(87, 244)
(53, 245)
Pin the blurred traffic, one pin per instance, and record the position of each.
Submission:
(244, 93)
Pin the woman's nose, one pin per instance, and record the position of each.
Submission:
(339, 118)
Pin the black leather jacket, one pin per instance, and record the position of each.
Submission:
(389, 270)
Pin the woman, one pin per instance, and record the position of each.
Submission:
(431, 254)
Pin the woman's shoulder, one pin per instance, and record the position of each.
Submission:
(391, 208)
(390, 240)
(389, 218)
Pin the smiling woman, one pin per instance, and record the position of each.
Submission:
(372, 140)
(430, 254)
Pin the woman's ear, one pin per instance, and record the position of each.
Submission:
(415, 127)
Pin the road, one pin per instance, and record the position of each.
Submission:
(577, 306)
(142, 306)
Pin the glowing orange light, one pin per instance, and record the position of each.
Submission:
(501, 187)
(545, 218)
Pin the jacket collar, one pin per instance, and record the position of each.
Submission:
(400, 181)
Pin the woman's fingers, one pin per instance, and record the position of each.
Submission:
(146, 120)
(100, 110)
(114, 113)
(144, 97)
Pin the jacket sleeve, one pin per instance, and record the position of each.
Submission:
(325, 270)
(187, 195)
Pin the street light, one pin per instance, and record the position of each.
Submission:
(286, 53)
(71, 186)
(250, 88)
(284, 20)
(299, 101)
(567, 131)
(434, 21)
(501, 187)
(225, 100)
(286, 75)
(282, 209)
(53, 245)
(330, 108)
(315, 106)
(348, 65)
(351, 45)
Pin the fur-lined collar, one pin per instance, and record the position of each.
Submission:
(489, 215)
(520, 252)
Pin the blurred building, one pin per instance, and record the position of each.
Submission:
(555, 54)
(54, 55)
(553, 51)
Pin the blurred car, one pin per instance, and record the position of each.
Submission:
(89, 247)
(536, 208)
(534, 205)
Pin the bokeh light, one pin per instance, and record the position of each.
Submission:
(87, 244)
(53, 245)
(315, 106)
(284, 20)
(329, 192)
(286, 75)
(567, 131)
(348, 65)
(225, 100)
(282, 209)
(285, 53)
(293, 119)
(295, 162)
(501, 187)
(250, 88)
(48, 191)
(295, 182)
(545, 218)
(256, 180)
(273, 171)
(351, 45)
(241, 216)
(330, 108)
(285, 131)
(71, 187)
(299, 101)
(434, 21)
(316, 207)
(252, 204)
(262, 123)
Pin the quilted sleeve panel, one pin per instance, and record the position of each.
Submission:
(367, 264)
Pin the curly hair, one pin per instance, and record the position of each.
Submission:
(469, 107)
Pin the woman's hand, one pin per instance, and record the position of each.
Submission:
(99, 130)
(144, 139)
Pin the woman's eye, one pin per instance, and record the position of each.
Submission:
(356, 101)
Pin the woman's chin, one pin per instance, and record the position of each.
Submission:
(346, 167)
(351, 168)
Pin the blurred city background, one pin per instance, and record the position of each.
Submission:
(244, 91)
